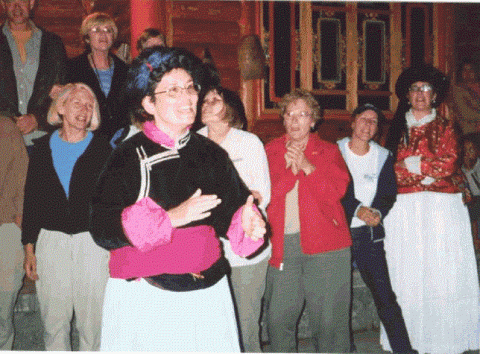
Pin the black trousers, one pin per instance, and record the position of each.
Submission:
(372, 264)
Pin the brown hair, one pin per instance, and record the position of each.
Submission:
(147, 34)
(234, 109)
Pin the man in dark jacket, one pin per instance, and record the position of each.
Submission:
(32, 60)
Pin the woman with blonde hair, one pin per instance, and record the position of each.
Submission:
(70, 270)
(103, 71)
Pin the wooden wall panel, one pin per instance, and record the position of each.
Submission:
(208, 10)
(204, 31)
(268, 129)
(198, 25)
(224, 56)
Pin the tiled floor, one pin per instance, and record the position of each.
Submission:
(365, 341)
(29, 336)
(29, 331)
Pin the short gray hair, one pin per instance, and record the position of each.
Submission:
(307, 97)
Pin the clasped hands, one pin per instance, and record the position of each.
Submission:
(296, 160)
(26, 123)
(371, 217)
(199, 206)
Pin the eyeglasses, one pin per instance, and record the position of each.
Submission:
(108, 30)
(176, 91)
(423, 88)
(212, 101)
(290, 115)
(367, 121)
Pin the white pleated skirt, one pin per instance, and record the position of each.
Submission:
(140, 317)
(433, 271)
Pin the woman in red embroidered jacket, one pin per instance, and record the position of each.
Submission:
(429, 243)
(310, 261)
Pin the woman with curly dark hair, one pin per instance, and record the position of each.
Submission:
(161, 201)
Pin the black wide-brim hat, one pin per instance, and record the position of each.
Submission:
(425, 73)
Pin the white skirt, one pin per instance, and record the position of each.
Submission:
(433, 271)
(140, 317)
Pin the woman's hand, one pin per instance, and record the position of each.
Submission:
(370, 217)
(18, 220)
(299, 161)
(257, 196)
(27, 123)
(289, 163)
(197, 207)
(30, 262)
(252, 223)
(401, 164)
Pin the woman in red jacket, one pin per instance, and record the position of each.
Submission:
(310, 261)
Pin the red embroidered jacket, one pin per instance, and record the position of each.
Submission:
(436, 143)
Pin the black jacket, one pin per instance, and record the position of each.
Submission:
(52, 69)
(172, 177)
(385, 196)
(46, 204)
(112, 108)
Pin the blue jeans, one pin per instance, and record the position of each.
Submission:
(372, 264)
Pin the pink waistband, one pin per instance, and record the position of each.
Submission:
(191, 250)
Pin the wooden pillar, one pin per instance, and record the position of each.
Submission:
(248, 89)
(443, 29)
(144, 14)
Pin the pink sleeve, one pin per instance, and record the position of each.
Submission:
(146, 224)
(241, 244)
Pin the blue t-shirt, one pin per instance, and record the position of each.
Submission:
(105, 78)
(65, 155)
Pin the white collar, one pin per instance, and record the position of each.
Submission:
(412, 122)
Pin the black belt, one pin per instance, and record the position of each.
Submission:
(188, 282)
